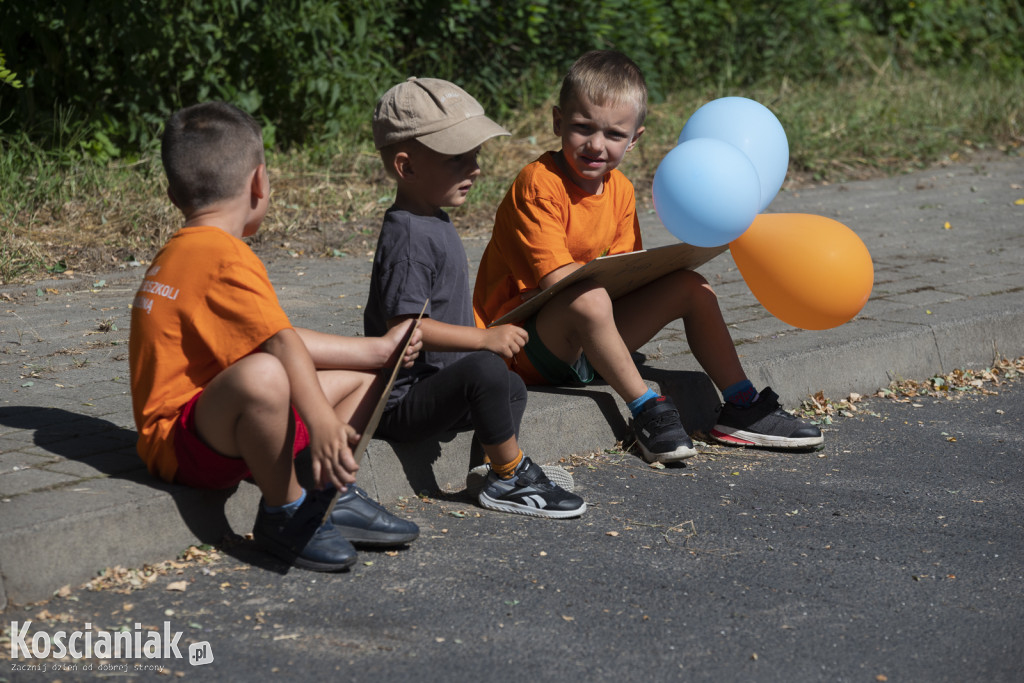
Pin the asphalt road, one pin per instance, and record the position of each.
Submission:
(895, 553)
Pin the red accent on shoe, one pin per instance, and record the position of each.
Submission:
(730, 438)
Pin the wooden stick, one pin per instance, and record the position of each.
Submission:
(382, 383)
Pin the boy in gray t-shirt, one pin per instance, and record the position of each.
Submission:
(429, 133)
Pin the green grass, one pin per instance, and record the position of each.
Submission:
(61, 210)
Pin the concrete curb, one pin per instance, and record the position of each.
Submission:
(76, 498)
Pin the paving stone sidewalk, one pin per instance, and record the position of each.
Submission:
(948, 250)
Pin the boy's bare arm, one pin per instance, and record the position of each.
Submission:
(331, 440)
(335, 352)
(504, 340)
(550, 279)
(557, 274)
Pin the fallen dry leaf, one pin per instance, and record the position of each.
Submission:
(177, 585)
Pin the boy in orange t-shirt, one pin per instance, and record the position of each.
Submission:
(566, 209)
(216, 367)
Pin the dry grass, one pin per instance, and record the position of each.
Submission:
(91, 218)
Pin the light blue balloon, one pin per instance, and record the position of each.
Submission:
(751, 127)
(706, 192)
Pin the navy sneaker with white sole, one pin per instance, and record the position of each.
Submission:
(659, 432)
(477, 477)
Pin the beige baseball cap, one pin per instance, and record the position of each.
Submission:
(439, 114)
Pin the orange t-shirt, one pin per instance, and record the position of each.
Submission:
(205, 303)
(545, 222)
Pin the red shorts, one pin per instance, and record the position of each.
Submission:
(202, 467)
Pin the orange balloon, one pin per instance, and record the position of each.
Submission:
(808, 271)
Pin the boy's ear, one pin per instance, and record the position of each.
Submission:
(402, 166)
(556, 120)
(636, 138)
(259, 186)
(170, 195)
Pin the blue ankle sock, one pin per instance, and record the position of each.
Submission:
(290, 507)
(741, 394)
(635, 404)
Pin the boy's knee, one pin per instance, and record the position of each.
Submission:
(262, 376)
(516, 387)
(486, 373)
(689, 280)
(255, 387)
(590, 302)
(691, 285)
(486, 367)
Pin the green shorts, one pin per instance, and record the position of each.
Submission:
(552, 368)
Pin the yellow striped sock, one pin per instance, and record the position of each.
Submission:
(508, 470)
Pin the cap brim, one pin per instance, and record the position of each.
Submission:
(463, 136)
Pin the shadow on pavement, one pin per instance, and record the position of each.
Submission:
(694, 394)
(110, 450)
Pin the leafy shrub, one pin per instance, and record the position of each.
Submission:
(312, 69)
(307, 68)
(8, 77)
(985, 35)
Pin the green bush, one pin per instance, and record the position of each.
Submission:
(7, 77)
(307, 68)
(312, 69)
(986, 35)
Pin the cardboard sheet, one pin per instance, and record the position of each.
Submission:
(621, 274)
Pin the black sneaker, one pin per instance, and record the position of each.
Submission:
(530, 492)
(367, 523)
(477, 477)
(299, 538)
(764, 424)
(660, 433)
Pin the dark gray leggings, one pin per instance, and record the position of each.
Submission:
(478, 392)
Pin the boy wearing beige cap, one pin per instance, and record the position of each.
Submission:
(429, 133)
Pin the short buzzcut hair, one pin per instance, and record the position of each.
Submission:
(208, 151)
(606, 77)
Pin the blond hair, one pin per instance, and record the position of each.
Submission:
(606, 77)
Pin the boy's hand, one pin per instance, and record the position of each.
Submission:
(331, 440)
(505, 340)
(331, 451)
(396, 335)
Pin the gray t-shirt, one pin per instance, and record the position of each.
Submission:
(418, 258)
